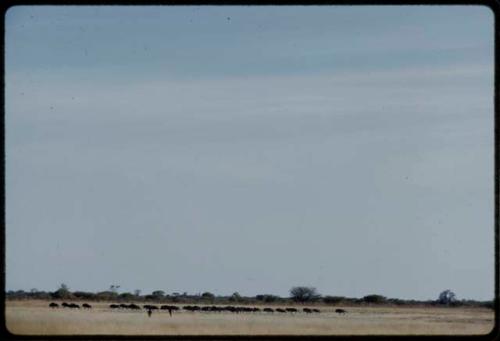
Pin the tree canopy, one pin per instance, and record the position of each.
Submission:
(304, 294)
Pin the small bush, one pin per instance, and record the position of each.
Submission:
(267, 298)
(374, 299)
(333, 299)
(83, 295)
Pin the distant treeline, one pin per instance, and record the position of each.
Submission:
(209, 298)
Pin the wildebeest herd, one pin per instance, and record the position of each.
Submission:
(70, 305)
(194, 308)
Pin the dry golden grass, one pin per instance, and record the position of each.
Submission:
(34, 317)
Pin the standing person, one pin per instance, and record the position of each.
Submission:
(150, 312)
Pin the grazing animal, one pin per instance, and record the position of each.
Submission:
(54, 305)
(169, 308)
(124, 306)
(65, 305)
(307, 310)
(134, 306)
(229, 308)
(74, 305)
(86, 306)
(269, 310)
(191, 308)
(291, 310)
(316, 310)
(279, 310)
(340, 311)
(114, 306)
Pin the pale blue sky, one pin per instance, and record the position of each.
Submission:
(251, 149)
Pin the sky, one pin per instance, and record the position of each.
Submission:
(250, 149)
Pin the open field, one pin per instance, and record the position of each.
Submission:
(35, 317)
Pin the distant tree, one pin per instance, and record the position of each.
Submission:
(447, 297)
(107, 296)
(267, 298)
(150, 298)
(374, 299)
(488, 304)
(235, 297)
(42, 295)
(18, 294)
(126, 296)
(208, 296)
(333, 299)
(271, 298)
(137, 292)
(158, 294)
(397, 301)
(62, 293)
(84, 295)
(304, 294)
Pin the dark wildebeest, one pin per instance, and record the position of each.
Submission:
(316, 310)
(54, 305)
(74, 305)
(134, 306)
(307, 310)
(169, 308)
(114, 306)
(291, 310)
(268, 310)
(340, 311)
(279, 310)
(229, 308)
(86, 306)
(124, 306)
(65, 305)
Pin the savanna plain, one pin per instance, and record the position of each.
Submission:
(36, 317)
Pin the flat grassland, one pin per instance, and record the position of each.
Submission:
(35, 317)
